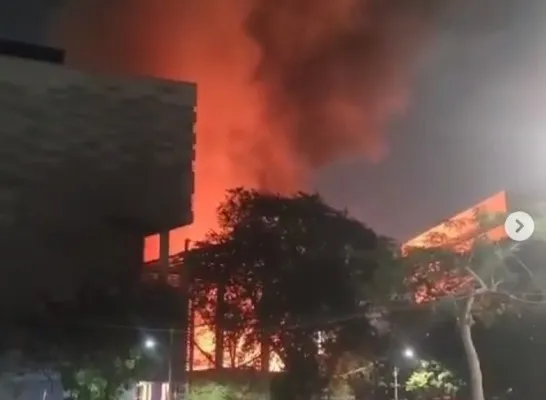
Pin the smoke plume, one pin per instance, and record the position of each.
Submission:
(284, 86)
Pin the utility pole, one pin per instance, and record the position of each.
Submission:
(180, 348)
(164, 248)
(187, 332)
(170, 389)
(164, 259)
(395, 372)
(408, 354)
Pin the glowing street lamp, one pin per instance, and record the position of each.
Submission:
(150, 344)
(409, 354)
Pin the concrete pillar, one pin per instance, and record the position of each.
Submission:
(164, 253)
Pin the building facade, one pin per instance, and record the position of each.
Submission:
(91, 165)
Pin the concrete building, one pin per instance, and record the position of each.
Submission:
(90, 165)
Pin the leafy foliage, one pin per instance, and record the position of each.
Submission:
(210, 390)
(432, 380)
(285, 268)
(109, 380)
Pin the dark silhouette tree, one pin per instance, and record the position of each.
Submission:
(283, 271)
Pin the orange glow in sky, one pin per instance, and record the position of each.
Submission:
(284, 87)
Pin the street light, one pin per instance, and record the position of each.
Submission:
(409, 354)
(151, 344)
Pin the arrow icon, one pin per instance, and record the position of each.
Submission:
(519, 226)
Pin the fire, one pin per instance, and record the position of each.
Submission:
(204, 345)
(284, 86)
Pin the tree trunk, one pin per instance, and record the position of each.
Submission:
(219, 326)
(265, 351)
(465, 326)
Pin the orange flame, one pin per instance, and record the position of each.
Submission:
(284, 86)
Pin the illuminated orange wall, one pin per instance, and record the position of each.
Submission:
(204, 343)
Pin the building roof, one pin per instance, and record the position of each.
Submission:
(12, 48)
(461, 227)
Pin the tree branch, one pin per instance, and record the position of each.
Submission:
(364, 369)
(202, 351)
(522, 264)
(495, 285)
(523, 300)
(479, 280)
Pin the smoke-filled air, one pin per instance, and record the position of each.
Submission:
(284, 86)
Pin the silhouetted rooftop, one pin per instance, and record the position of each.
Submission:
(29, 51)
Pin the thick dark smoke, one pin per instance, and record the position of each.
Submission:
(285, 86)
(335, 72)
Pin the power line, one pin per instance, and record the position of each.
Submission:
(300, 325)
(383, 310)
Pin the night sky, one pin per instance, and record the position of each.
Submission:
(476, 124)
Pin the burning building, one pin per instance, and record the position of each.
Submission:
(285, 86)
(202, 350)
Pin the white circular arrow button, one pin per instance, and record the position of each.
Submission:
(519, 226)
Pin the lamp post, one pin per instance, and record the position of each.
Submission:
(170, 368)
(151, 344)
(409, 354)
